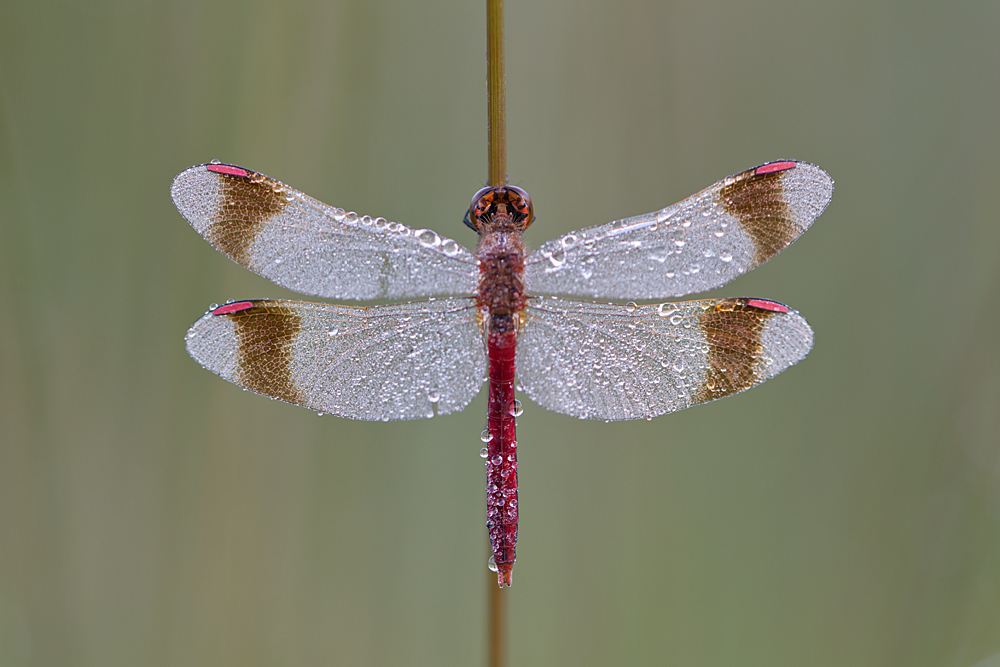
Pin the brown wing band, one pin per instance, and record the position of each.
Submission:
(755, 197)
(733, 332)
(266, 333)
(247, 202)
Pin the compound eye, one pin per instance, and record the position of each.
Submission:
(478, 207)
(521, 202)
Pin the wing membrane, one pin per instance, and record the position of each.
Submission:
(698, 244)
(617, 362)
(402, 361)
(303, 244)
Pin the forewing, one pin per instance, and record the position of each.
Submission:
(615, 362)
(305, 245)
(402, 361)
(698, 244)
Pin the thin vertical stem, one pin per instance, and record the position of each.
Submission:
(497, 633)
(496, 89)
(496, 100)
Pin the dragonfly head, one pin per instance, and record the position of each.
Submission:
(506, 206)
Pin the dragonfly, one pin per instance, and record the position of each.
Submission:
(501, 315)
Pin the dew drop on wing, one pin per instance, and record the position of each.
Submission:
(433, 396)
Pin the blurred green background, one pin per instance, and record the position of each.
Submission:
(846, 513)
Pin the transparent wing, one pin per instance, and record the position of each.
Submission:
(310, 247)
(402, 361)
(615, 362)
(699, 244)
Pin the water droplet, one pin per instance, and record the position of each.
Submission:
(352, 217)
(216, 161)
(679, 243)
(726, 257)
(366, 220)
(719, 234)
(512, 502)
(516, 409)
(332, 332)
(496, 460)
(277, 260)
(482, 452)
(450, 248)
(485, 436)
(555, 258)
(665, 309)
(568, 241)
(660, 255)
(427, 237)
(630, 307)
(433, 396)
(676, 319)
(492, 564)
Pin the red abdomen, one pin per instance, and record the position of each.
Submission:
(501, 299)
(501, 454)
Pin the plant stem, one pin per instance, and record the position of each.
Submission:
(496, 93)
(497, 633)
(496, 102)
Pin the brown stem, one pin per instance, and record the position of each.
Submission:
(496, 101)
(497, 633)
(496, 93)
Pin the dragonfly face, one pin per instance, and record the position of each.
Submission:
(496, 202)
(581, 358)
